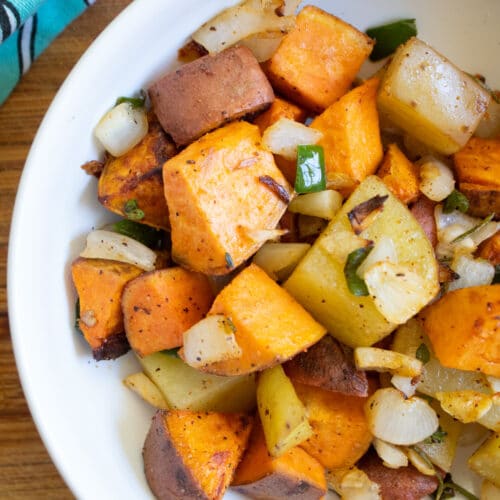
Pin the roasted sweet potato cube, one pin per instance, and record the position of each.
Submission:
(351, 137)
(158, 307)
(280, 108)
(318, 60)
(490, 249)
(405, 483)
(330, 365)
(463, 328)
(224, 193)
(295, 474)
(340, 430)
(483, 200)
(99, 284)
(270, 326)
(399, 174)
(193, 455)
(208, 92)
(478, 162)
(137, 175)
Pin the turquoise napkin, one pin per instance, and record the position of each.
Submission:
(26, 28)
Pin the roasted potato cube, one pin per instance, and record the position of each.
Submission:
(283, 416)
(412, 94)
(486, 459)
(137, 175)
(143, 386)
(270, 326)
(225, 194)
(99, 284)
(185, 388)
(294, 474)
(318, 60)
(319, 283)
(208, 92)
(193, 455)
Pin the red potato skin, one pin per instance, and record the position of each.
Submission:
(423, 211)
(405, 483)
(329, 365)
(209, 92)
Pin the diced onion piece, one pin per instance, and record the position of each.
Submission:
(289, 8)
(489, 126)
(121, 128)
(146, 389)
(263, 235)
(310, 226)
(278, 260)
(436, 179)
(283, 137)
(472, 272)
(324, 204)
(419, 463)
(384, 250)
(494, 383)
(397, 420)
(210, 340)
(353, 484)
(466, 406)
(396, 291)
(406, 385)
(489, 491)
(383, 360)
(263, 45)
(392, 456)
(109, 245)
(238, 22)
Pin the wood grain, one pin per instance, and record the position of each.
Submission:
(26, 471)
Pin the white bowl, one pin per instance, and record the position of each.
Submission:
(91, 424)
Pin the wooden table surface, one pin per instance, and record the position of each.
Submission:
(26, 470)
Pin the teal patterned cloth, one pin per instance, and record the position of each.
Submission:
(26, 28)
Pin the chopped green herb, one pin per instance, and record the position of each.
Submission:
(146, 235)
(132, 210)
(389, 37)
(437, 437)
(423, 353)
(474, 229)
(229, 323)
(311, 175)
(135, 102)
(229, 261)
(496, 278)
(456, 201)
(356, 285)
(171, 352)
(77, 316)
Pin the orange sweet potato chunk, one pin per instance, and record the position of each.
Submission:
(271, 326)
(464, 328)
(194, 455)
(158, 307)
(99, 284)
(340, 431)
(490, 249)
(293, 474)
(280, 108)
(399, 174)
(318, 60)
(137, 175)
(351, 137)
(224, 193)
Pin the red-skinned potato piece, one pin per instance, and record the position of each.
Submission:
(423, 211)
(192, 455)
(294, 474)
(160, 306)
(330, 365)
(99, 284)
(405, 483)
(208, 92)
